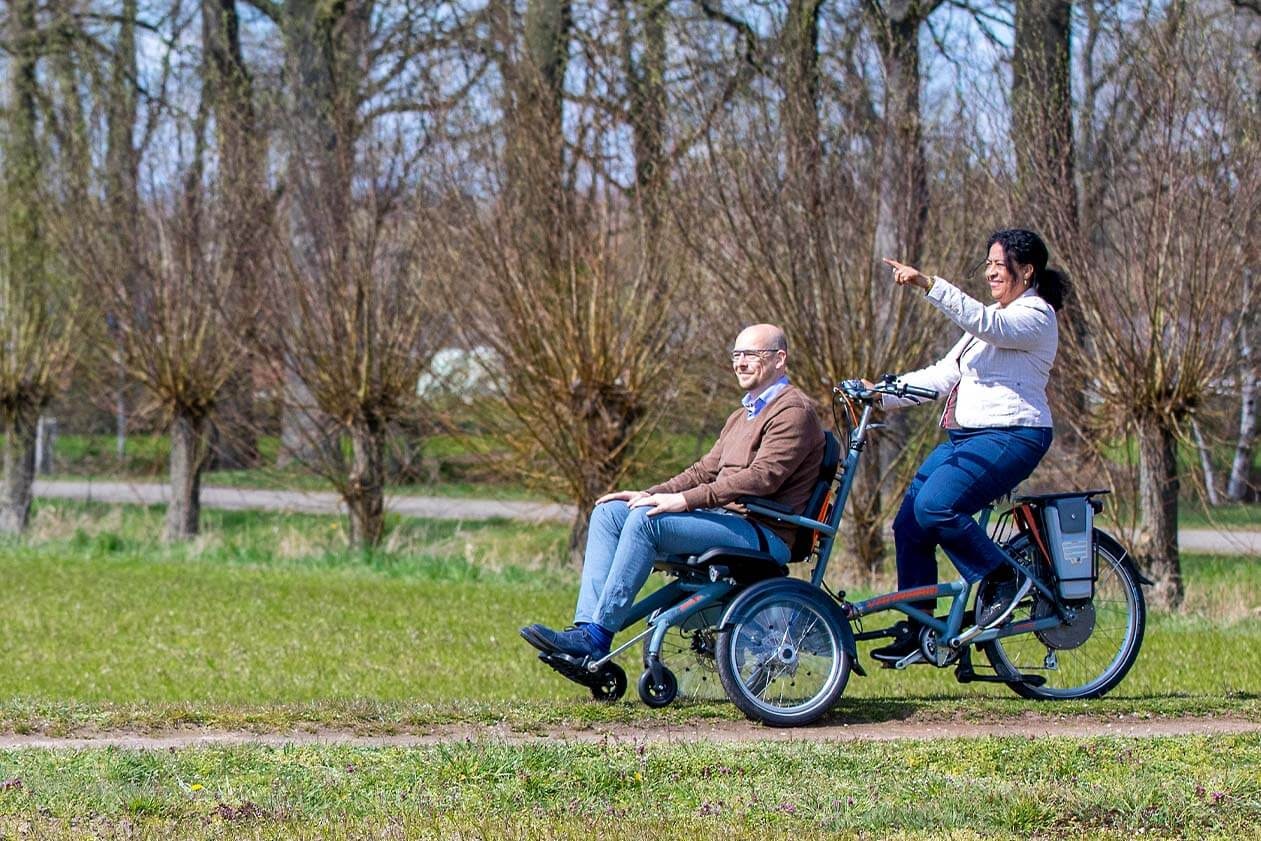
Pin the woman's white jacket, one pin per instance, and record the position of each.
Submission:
(1001, 365)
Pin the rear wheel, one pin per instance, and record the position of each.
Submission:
(1089, 656)
(781, 660)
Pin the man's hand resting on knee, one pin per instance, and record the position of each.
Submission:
(621, 496)
(661, 503)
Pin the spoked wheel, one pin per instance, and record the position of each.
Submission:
(781, 660)
(1089, 656)
(688, 651)
(609, 684)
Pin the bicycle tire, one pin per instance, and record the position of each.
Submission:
(1095, 666)
(782, 661)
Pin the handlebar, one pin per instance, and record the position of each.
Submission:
(889, 384)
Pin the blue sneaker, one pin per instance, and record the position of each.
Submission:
(574, 641)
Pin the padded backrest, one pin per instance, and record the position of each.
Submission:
(804, 543)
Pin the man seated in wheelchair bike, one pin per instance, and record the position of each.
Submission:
(771, 447)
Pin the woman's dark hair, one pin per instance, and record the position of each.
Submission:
(1027, 248)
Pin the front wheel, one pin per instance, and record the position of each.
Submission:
(1089, 657)
(688, 651)
(782, 660)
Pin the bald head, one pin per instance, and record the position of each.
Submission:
(762, 336)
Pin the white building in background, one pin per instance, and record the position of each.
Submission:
(459, 372)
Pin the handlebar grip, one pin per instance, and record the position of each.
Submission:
(916, 391)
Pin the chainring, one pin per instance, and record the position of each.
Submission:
(934, 652)
(1066, 635)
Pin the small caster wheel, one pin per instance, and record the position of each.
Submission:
(610, 683)
(658, 695)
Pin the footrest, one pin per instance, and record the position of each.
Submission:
(571, 667)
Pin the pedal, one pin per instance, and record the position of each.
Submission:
(911, 659)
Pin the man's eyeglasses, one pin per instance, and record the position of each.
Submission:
(754, 353)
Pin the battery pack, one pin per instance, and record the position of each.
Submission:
(1069, 525)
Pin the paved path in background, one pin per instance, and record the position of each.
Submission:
(454, 508)
(309, 502)
(1027, 726)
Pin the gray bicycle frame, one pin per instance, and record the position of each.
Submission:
(665, 610)
(958, 591)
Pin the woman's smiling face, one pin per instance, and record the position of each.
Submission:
(1005, 286)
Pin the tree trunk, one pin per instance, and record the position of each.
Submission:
(902, 184)
(1206, 464)
(188, 455)
(901, 202)
(19, 469)
(535, 135)
(365, 492)
(863, 526)
(1239, 486)
(234, 437)
(578, 534)
(241, 157)
(1158, 511)
(1042, 121)
(324, 46)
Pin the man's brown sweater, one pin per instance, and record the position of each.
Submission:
(775, 455)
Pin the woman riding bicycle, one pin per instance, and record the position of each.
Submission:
(996, 417)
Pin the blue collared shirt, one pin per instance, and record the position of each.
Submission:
(753, 405)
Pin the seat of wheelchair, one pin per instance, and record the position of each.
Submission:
(749, 565)
(744, 565)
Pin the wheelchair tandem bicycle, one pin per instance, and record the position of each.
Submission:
(783, 648)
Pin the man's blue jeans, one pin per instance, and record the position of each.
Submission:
(623, 543)
(966, 472)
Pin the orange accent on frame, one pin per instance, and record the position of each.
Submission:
(1031, 524)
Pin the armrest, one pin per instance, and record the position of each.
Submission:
(766, 505)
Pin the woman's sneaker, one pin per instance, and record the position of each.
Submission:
(1007, 593)
(905, 643)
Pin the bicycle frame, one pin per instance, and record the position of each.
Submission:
(959, 591)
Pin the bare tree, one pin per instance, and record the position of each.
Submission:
(779, 214)
(1158, 276)
(162, 269)
(348, 328)
(38, 298)
(572, 291)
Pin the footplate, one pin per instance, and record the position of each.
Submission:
(607, 683)
(573, 668)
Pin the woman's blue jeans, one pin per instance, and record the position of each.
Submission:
(624, 542)
(966, 472)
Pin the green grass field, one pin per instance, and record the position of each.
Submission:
(266, 623)
(1190, 787)
(268, 609)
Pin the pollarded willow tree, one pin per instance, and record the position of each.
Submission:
(563, 271)
(779, 209)
(39, 300)
(1173, 191)
(162, 256)
(348, 323)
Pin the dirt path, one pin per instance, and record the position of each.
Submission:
(1029, 726)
